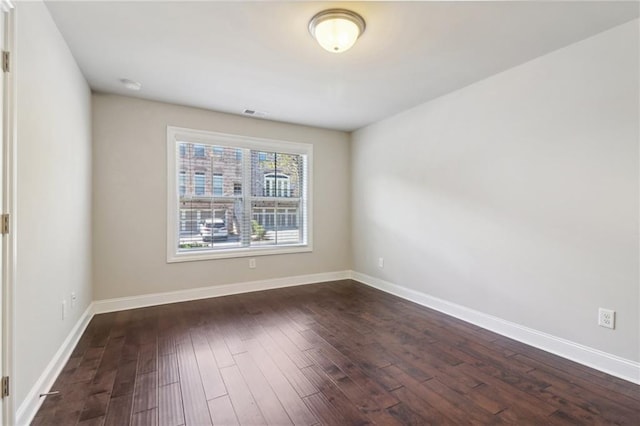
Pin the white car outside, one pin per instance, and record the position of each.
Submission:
(214, 229)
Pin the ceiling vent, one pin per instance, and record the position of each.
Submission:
(254, 113)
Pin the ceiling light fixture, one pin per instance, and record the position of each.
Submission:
(130, 84)
(336, 30)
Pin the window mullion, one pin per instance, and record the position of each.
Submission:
(246, 197)
(302, 203)
(275, 194)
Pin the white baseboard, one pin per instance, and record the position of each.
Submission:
(594, 358)
(122, 303)
(29, 407)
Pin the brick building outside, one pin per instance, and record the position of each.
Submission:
(211, 180)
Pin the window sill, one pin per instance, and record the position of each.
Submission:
(194, 256)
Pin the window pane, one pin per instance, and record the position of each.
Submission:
(289, 175)
(208, 220)
(262, 226)
(222, 230)
(221, 207)
(276, 175)
(275, 225)
(262, 164)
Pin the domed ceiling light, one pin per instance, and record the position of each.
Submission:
(336, 30)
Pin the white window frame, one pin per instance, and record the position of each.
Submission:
(180, 134)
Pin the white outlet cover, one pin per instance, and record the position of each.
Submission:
(607, 318)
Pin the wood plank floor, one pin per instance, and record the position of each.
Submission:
(336, 353)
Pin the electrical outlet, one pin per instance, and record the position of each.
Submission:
(381, 262)
(64, 309)
(252, 263)
(606, 318)
(73, 299)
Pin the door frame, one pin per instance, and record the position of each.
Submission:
(8, 170)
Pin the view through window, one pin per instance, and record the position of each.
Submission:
(238, 197)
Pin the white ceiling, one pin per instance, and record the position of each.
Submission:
(231, 56)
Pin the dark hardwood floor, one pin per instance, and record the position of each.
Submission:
(337, 353)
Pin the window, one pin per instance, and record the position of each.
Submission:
(259, 196)
(183, 182)
(276, 185)
(217, 184)
(198, 151)
(199, 183)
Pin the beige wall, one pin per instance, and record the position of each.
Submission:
(54, 194)
(516, 196)
(130, 200)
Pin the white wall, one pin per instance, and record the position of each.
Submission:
(130, 201)
(54, 193)
(516, 196)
